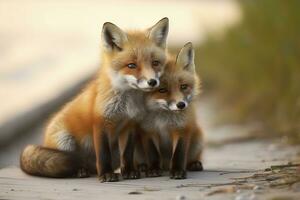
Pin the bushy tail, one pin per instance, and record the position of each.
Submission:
(42, 161)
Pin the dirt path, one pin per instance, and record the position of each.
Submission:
(235, 168)
(248, 170)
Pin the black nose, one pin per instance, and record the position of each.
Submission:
(180, 105)
(152, 82)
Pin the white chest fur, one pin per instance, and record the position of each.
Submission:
(162, 122)
(129, 104)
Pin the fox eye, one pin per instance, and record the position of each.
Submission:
(155, 63)
(163, 90)
(131, 65)
(184, 86)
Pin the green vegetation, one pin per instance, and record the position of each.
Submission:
(255, 67)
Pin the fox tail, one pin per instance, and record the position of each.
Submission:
(42, 161)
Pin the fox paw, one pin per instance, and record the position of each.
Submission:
(195, 166)
(109, 177)
(154, 172)
(142, 167)
(178, 174)
(83, 173)
(130, 174)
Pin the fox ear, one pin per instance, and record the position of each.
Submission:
(159, 32)
(185, 57)
(113, 37)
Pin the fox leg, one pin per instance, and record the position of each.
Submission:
(179, 155)
(195, 152)
(140, 161)
(88, 166)
(153, 155)
(102, 133)
(88, 156)
(83, 170)
(127, 140)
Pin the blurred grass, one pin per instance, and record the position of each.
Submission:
(255, 68)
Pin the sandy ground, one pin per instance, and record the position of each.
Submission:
(235, 168)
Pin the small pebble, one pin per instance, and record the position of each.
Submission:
(246, 197)
(75, 189)
(257, 188)
(12, 190)
(135, 192)
(180, 197)
(180, 186)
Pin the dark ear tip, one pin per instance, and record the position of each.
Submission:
(107, 24)
(188, 45)
(165, 20)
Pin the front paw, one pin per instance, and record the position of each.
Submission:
(109, 177)
(83, 173)
(178, 174)
(130, 173)
(142, 167)
(153, 172)
(195, 166)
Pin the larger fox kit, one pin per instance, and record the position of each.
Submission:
(81, 135)
(169, 131)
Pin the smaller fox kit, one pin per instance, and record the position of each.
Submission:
(82, 134)
(170, 131)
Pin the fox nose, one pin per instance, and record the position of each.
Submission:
(181, 105)
(152, 82)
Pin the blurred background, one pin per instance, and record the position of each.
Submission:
(254, 69)
(247, 54)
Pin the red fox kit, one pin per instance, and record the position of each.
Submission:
(169, 129)
(82, 134)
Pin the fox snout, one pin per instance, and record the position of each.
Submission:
(181, 105)
(165, 105)
(148, 84)
(177, 106)
(141, 84)
(152, 82)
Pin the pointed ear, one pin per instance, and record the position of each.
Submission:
(159, 32)
(185, 57)
(113, 37)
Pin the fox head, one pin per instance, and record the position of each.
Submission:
(135, 59)
(179, 83)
